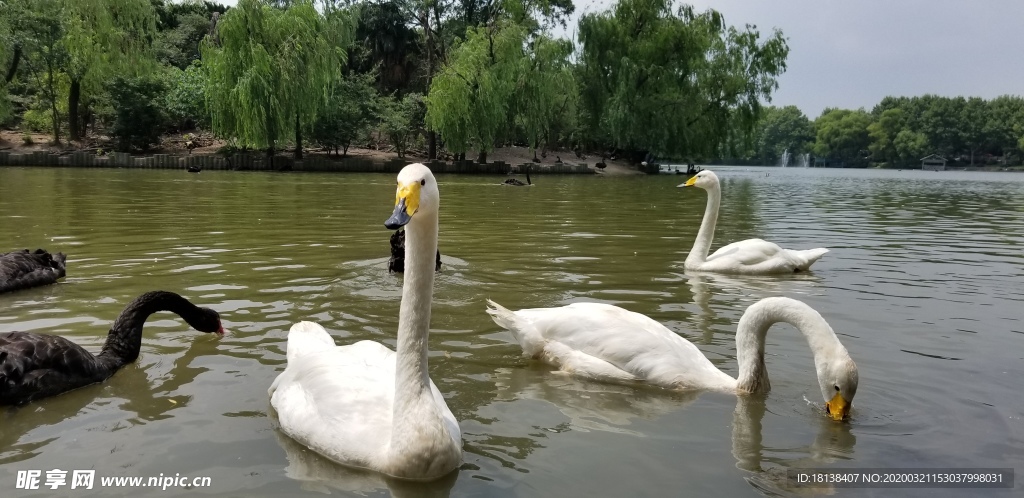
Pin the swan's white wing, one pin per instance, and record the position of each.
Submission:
(339, 401)
(592, 338)
(760, 256)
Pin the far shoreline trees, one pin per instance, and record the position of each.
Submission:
(643, 79)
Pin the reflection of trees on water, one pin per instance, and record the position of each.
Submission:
(318, 474)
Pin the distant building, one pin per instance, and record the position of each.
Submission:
(933, 162)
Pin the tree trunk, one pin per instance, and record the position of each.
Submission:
(74, 96)
(344, 150)
(52, 90)
(14, 63)
(431, 135)
(482, 158)
(298, 138)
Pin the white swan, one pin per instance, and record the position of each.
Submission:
(751, 256)
(609, 343)
(363, 405)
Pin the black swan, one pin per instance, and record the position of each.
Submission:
(23, 269)
(397, 262)
(34, 366)
(518, 183)
(193, 169)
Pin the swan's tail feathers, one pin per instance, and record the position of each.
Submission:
(306, 338)
(811, 255)
(501, 315)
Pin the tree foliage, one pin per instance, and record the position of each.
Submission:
(138, 104)
(399, 120)
(673, 82)
(842, 135)
(272, 71)
(349, 113)
(781, 129)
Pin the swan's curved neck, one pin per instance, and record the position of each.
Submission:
(412, 380)
(125, 337)
(702, 245)
(754, 325)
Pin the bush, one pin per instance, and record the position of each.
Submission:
(186, 98)
(348, 114)
(400, 119)
(138, 117)
(37, 120)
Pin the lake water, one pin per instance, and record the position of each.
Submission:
(923, 284)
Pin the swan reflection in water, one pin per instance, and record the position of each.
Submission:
(595, 406)
(739, 291)
(320, 475)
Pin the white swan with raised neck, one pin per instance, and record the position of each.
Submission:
(363, 405)
(751, 256)
(606, 342)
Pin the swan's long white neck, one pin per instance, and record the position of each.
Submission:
(413, 398)
(754, 325)
(702, 245)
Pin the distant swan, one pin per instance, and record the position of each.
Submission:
(609, 343)
(518, 183)
(363, 405)
(751, 256)
(34, 366)
(23, 269)
(396, 264)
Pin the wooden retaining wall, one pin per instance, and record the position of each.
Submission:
(246, 162)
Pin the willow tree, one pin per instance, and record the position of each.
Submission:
(272, 70)
(546, 92)
(673, 82)
(470, 98)
(103, 38)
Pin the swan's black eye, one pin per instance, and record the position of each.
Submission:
(837, 387)
(423, 181)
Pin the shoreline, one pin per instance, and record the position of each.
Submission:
(258, 162)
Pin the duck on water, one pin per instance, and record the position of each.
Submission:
(34, 366)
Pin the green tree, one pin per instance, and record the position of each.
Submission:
(41, 40)
(103, 38)
(1005, 123)
(399, 119)
(185, 102)
(883, 134)
(470, 98)
(546, 89)
(842, 135)
(910, 146)
(138, 104)
(673, 82)
(781, 129)
(349, 113)
(272, 71)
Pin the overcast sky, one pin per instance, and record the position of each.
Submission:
(851, 54)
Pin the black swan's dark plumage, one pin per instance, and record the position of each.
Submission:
(34, 366)
(193, 169)
(518, 183)
(23, 269)
(397, 262)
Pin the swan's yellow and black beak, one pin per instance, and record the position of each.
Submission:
(688, 183)
(838, 408)
(407, 201)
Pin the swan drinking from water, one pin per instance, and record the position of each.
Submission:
(34, 366)
(363, 405)
(751, 256)
(609, 343)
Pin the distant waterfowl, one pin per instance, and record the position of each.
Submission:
(363, 405)
(24, 269)
(751, 256)
(34, 366)
(601, 164)
(396, 264)
(193, 169)
(517, 183)
(605, 342)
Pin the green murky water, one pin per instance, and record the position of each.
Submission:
(923, 285)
